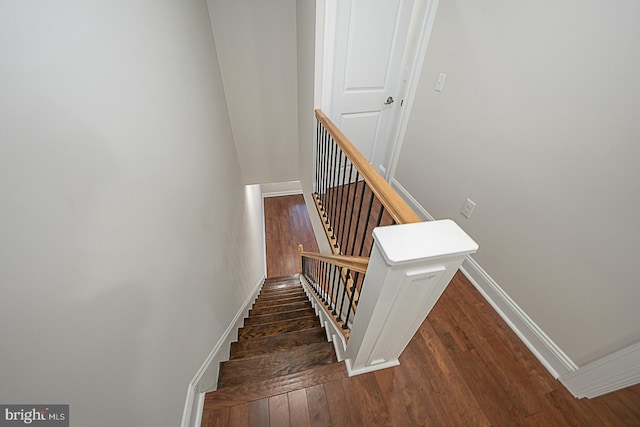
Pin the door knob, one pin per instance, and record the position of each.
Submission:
(389, 101)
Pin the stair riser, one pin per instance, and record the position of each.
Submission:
(269, 303)
(281, 294)
(288, 277)
(279, 308)
(276, 328)
(236, 395)
(242, 371)
(288, 315)
(270, 344)
(281, 286)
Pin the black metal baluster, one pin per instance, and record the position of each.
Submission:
(322, 161)
(342, 210)
(308, 273)
(366, 230)
(318, 157)
(344, 290)
(355, 237)
(370, 232)
(334, 295)
(346, 285)
(350, 308)
(345, 240)
(334, 192)
(325, 173)
(330, 193)
(327, 301)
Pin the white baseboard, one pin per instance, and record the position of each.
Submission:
(613, 372)
(610, 373)
(547, 352)
(277, 189)
(371, 368)
(207, 376)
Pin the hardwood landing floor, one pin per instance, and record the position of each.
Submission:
(464, 367)
(287, 224)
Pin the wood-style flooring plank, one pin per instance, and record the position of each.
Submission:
(365, 400)
(287, 224)
(218, 418)
(279, 411)
(394, 389)
(318, 409)
(259, 413)
(299, 408)
(448, 386)
(239, 415)
(337, 404)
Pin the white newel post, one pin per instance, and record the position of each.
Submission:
(409, 268)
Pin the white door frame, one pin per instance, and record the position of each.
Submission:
(420, 54)
(325, 51)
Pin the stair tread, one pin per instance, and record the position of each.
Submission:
(276, 317)
(234, 395)
(295, 276)
(280, 301)
(279, 308)
(268, 344)
(281, 284)
(284, 362)
(273, 328)
(280, 294)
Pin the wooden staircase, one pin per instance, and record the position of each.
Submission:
(281, 348)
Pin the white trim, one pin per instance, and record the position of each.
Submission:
(547, 352)
(610, 373)
(328, 36)
(276, 189)
(370, 368)
(211, 365)
(282, 193)
(199, 409)
(412, 85)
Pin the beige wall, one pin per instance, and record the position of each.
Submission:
(538, 124)
(256, 43)
(127, 238)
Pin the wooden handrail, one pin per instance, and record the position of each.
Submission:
(353, 263)
(399, 210)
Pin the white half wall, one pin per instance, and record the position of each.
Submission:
(609, 373)
(128, 241)
(537, 124)
(256, 44)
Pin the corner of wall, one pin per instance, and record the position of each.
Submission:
(610, 373)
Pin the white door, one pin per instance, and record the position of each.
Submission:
(369, 42)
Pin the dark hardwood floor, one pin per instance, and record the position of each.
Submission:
(464, 367)
(287, 224)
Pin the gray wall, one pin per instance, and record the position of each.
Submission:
(538, 124)
(127, 238)
(256, 43)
